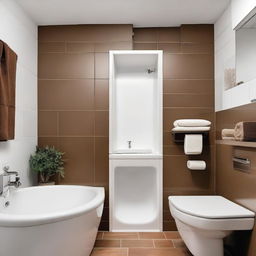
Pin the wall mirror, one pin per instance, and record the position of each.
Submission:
(245, 70)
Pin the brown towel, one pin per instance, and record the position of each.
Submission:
(227, 133)
(245, 131)
(8, 61)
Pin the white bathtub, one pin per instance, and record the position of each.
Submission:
(51, 220)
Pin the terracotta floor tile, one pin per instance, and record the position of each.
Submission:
(107, 243)
(137, 243)
(172, 234)
(120, 235)
(109, 252)
(151, 235)
(163, 243)
(178, 243)
(157, 252)
(99, 235)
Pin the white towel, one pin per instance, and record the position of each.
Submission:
(193, 144)
(191, 123)
(191, 129)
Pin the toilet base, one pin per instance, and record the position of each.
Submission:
(202, 242)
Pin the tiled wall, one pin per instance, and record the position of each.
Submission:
(20, 33)
(233, 184)
(188, 93)
(73, 98)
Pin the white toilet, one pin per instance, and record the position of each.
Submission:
(203, 222)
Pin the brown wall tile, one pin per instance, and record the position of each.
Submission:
(106, 47)
(145, 35)
(101, 94)
(170, 47)
(76, 123)
(169, 35)
(101, 65)
(101, 160)
(197, 48)
(86, 33)
(51, 47)
(197, 34)
(47, 123)
(188, 66)
(189, 86)
(75, 47)
(79, 155)
(145, 46)
(65, 66)
(188, 100)
(48, 141)
(66, 94)
(101, 123)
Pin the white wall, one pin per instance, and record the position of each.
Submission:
(20, 33)
(225, 56)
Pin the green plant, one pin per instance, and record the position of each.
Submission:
(47, 162)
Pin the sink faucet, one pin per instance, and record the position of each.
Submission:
(129, 144)
(8, 179)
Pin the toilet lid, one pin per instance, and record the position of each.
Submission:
(211, 207)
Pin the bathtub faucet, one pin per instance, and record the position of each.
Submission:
(8, 179)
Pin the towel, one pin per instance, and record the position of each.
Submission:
(227, 133)
(191, 129)
(228, 138)
(191, 123)
(8, 61)
(245, 131)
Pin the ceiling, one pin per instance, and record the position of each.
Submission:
(140, 13)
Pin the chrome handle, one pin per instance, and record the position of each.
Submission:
(241, 160)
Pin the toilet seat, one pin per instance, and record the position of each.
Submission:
(211, 213)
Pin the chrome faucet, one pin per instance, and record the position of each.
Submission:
(8, 179)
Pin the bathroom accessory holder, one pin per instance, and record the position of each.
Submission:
(179, 137)
(242, 164)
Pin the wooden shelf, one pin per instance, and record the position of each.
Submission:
(235, 143)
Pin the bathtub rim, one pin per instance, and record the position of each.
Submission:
(28, 220)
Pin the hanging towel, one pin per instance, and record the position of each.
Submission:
(245, 131)
(8, 61)
(191, 123)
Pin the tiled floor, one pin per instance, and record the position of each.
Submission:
(139, 244)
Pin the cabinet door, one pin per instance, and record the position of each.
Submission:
(240, 9)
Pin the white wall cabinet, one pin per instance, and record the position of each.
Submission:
(240, 9)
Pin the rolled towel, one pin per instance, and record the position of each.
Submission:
(191, 123)
(196, 165)
(245, 131)
(228, 138)
(227, 133)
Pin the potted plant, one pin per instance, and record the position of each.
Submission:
(47, 162)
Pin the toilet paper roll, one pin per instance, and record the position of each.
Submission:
(196, 165)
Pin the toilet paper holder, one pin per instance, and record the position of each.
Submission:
(179, 137)
(242, 164)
